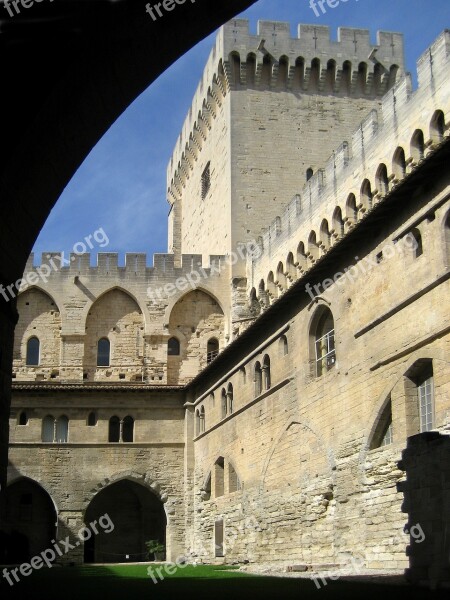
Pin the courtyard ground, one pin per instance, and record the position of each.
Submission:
(128, 582)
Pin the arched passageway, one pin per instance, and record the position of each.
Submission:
(30, 522)
(137, 516)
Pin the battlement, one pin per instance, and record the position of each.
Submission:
(54, 264)
(402, 113)
(274, 60)
(313, 41)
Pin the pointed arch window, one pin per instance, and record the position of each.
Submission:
(230, 398)
(266, 373)
(224, 404)
(258, 379)
(128, 430)
(383, 435)
(323, 341)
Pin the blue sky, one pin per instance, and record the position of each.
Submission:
(121, 184)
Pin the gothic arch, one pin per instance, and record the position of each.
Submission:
(306, 427)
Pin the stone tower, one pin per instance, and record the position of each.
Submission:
(268, 113)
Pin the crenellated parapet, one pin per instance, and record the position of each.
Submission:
(310, 63)
(387, 146)
(54, 263)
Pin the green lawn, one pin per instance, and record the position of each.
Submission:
(126, 582)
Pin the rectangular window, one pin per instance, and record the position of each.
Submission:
(387, 439)
(325, 352)
(425, 392)
(206, 180)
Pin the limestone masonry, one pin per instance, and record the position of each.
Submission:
(248, 397)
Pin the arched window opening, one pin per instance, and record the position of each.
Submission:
(266, 73)
(299, 73)
(309, 173)
(383, 435)
(128, 430)
(377, 73)
(437, 127)
(301, 257)
(415, 242)
(212, 350)
(346, 80)
(202, 420)
(224, 406)
(322, 334)
(313, 247)
(62, 430)
(366, 190)
(362, 78)
(272, 289)
(103, 352)
(399, 164)
(283, 72)
(417, 146)
(33, 352)
(173, 347)
(393, 71)
(382, 182)
(48, 429)
(114, 430)
(325, 237)
(258, 379)
(92, 419)
(281, 277)
(197, 422)
(338, 223)
(23, 418)
(251, 69)
(230, 398)
(235, 61)
(331, 76)
(266, 373)
(284, 348)
(314, 74)
(351, 209)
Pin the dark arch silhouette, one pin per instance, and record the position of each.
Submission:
(81, 64)
(30, 521)
(128, 515)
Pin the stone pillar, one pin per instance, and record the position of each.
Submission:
(8, 320)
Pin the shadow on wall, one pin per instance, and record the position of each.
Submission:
(426, 491)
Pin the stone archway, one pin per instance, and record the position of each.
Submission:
(132, 515)
(31, 521)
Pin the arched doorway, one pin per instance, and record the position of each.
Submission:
(30, 521)
(137, 515)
